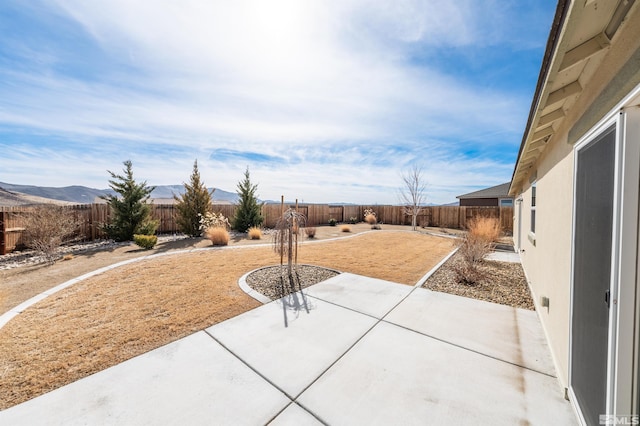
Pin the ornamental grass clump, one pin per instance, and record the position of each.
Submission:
(482, 234)
(310, 231)
(214, 226)
(371, 218)
(254, 233)
(218, 236)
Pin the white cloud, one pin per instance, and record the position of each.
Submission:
(332, 86)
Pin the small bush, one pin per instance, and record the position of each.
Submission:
(212, 220)
(345, 228)
(476, 244)
(218, 236)
(310, 231)
(148, 227)
(480, 238)
(255, 233)
(370, 217)
(353, 220)
(47, 227)
(468, 273)
(147, 242)
(473, 248)
(332, 222)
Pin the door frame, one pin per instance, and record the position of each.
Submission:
(585, 142)
(518, 213)
(623, 360)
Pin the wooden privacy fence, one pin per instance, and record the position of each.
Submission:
(90, 217)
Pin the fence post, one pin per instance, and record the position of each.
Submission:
(3, 233)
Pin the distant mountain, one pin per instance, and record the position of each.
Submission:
(73, 194)
(13, 198)
(167, 191)
(84, 195)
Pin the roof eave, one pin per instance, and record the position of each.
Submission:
(550, 51)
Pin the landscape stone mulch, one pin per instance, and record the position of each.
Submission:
(269, 281)
(501, 282)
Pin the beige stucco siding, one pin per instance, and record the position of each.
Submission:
(547, 263)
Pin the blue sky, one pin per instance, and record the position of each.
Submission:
(324, 101)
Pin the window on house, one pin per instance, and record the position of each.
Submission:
(506, 202)
(533, 208)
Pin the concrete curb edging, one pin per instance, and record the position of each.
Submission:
(242, 283)
(433, 270)
(15, 311)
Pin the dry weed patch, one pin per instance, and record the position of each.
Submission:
(133, 309)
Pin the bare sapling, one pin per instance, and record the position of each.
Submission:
(413, 194)
(285, 242)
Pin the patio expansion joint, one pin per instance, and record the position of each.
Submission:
(341, 306)
(470, 350)
(299, 405)
(378, 321)
(250, 367)
(383, 319)
(292, 400)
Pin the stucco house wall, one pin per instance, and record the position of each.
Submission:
(546, 255)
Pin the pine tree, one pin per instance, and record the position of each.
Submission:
(130, 213)
(248, 211)
(196, 200)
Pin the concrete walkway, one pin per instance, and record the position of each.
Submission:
(350, 350)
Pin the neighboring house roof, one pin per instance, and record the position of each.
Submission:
(581, 35)
(498, 191)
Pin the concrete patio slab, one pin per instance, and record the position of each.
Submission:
(434, 359)
(504, 256)
(510, 334)
(397, 376)
(294, 415)
(366, 295)
(290, 345)
(191, 381)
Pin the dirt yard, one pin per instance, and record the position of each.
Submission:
(133, 309)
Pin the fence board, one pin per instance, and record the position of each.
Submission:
(337, 213)
(3, 230)
(91, 217)
(350, 211)
(318, 214)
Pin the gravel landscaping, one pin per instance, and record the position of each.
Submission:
(502, 282)
(268, 281)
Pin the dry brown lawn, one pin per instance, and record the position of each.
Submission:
(130, 310)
